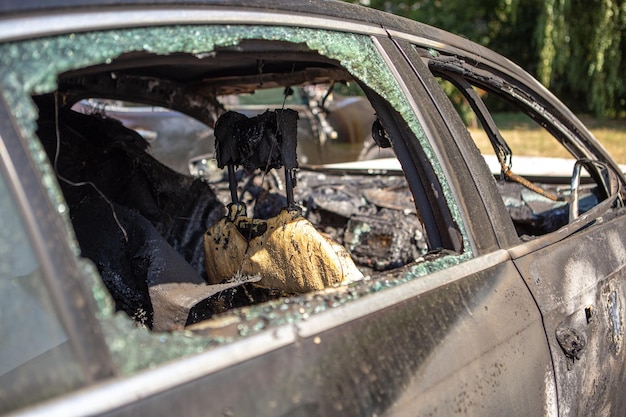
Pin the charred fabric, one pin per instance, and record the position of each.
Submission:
(154, 233)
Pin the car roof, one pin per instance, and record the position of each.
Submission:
(334, 9)
(330, 9)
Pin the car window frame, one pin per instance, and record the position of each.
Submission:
(518, 88)
(541, 115)
(467, 172)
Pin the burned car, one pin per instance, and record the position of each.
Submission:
(313, 232)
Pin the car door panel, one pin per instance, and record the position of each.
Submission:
(574, 273)
(468, 339)
(492, 352)
(579, 284)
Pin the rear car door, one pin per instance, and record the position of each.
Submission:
(574, 269)
(579, 283)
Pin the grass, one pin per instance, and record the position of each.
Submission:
(612, 135)
(526, 138)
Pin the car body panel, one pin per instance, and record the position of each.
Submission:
(579, 286)
(387, 354)
(395, 361)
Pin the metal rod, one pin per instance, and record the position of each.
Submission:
(232, 184)
(289, 188)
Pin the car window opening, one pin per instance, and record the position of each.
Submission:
(104, 138)
(538, 203)
(255, 227)
(104, 83)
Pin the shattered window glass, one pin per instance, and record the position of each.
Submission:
(37, 361)
(235, 210)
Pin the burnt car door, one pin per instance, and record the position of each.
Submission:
(571, 249)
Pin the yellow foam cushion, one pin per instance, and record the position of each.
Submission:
(286, 250)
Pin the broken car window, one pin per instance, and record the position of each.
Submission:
(265, 214)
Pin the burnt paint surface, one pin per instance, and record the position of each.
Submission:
(472, 347)
(580, 286)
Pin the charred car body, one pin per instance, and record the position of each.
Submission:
(279, 276)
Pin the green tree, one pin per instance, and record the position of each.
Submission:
(577, 48)
(582, 52)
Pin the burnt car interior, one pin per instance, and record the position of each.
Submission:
(255, 224)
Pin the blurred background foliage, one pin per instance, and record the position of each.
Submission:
(576, 48)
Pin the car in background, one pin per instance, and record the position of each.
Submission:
(458, 291)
